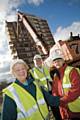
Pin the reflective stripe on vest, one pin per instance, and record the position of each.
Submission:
(42, 76)
(66, 86)
(73, 106)
(22, 113)
(42, 79)
(30, 111)
(18, 102)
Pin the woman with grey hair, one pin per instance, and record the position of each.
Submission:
(23, 99)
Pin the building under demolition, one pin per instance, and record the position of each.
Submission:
(29, 35)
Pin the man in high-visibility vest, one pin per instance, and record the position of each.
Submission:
(42, 76)
(41, 73)
(23, 99)
(67, 87)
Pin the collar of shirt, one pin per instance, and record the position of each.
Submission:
(28, 81)
(25, 83)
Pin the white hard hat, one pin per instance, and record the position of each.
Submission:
(37, 56)
(56, 55)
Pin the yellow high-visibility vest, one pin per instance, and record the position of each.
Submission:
(41, 77)
(74, 106)
(27, 107)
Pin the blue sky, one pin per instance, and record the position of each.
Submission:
(63, 16)
(56, 12)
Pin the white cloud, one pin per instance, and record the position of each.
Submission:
(7, 12)
(35, 2)
(64, 33)
(10, 6)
